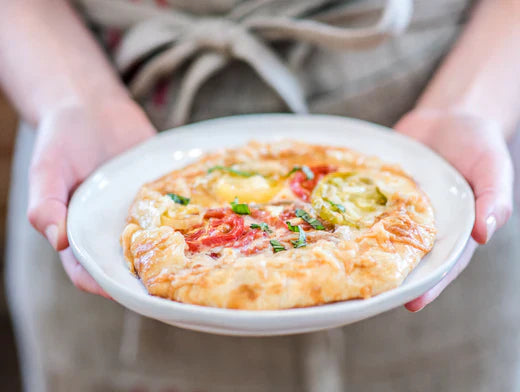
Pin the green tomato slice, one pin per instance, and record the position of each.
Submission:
(347, 198)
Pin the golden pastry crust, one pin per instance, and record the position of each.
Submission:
(363, 258)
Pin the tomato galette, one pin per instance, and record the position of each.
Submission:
(275, 226)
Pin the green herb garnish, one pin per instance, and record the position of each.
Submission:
(240, 208)
(293, 170)
(231, 170)
(315, 223)
(262, 225)
(291, 227)
(277, 247)
(301, 241)
(305, 169)
(336, 207)
(179, 199)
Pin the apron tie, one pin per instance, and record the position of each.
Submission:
(174, 37)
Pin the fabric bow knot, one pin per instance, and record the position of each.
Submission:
(243, 34)
(217, 34)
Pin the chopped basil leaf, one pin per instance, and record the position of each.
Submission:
(293, 170)
(261, 225)
(232, 171)
(305, 169)
(301, 241)
(291, 227)
(240, 208)
(336, 207)
(179, 199)
(277, 247)
(315, 223)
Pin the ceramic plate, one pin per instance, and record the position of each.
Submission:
(99, 207)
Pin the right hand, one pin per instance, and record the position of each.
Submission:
(477, 148)
(72, 141)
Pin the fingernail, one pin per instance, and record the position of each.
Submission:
(51, 232)
(491, 226)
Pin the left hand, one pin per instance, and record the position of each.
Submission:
(72, 141)
(477, 149)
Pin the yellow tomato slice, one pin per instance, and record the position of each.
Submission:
(254, 189)
(347, 199)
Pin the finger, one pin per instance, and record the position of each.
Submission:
(464, 259)
(48, 199)
(79, 276)
(492, 182)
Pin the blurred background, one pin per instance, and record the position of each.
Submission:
(9, 372)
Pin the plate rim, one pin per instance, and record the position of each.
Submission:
(219, 316)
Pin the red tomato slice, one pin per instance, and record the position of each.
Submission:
(302, 187)
(249, 243)
(279, 221)
(222, 228)
(264, 216)
(289, 214)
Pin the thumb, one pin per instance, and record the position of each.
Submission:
(48, 199)
(492, 182)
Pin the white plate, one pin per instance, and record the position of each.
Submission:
(99, 207)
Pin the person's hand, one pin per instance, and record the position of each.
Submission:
(71, 142)
(476, 147)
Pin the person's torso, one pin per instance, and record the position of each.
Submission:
(193, 60)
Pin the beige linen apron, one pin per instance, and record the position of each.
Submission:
(466, 341)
